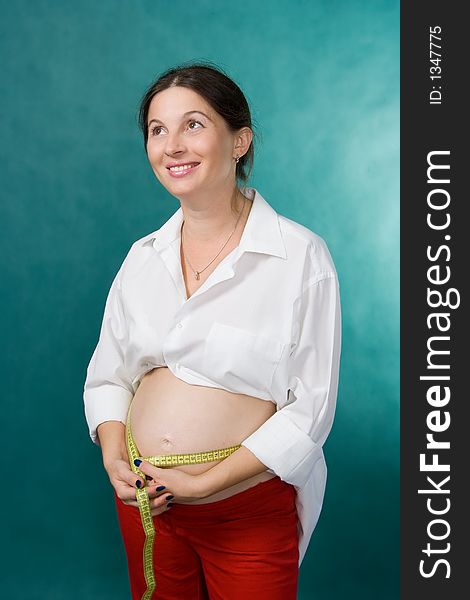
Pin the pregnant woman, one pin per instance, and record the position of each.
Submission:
(213, 384)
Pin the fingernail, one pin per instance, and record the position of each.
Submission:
(170, 504)
(138, 483)
(161, 487)
(169, 498)
(137, 462)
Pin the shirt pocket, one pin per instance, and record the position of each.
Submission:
(241, 360)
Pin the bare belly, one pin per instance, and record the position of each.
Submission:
(170, 416)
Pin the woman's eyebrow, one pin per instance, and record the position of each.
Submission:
(189, 112)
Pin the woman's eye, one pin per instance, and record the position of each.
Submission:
(194, 121)
(155, 130)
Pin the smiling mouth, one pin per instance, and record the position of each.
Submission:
(183, 168)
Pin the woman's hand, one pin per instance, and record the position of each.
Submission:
(183, 486)
(124, 481)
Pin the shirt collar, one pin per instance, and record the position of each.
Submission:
(262, 231)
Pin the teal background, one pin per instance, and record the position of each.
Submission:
(322, 79)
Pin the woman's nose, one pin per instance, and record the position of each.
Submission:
(174, 144)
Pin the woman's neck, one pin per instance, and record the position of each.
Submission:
(208, 221)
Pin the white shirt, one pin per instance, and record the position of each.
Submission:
(266, 323)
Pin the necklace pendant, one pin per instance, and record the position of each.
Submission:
(197, 274)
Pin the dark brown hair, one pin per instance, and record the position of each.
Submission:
(219, 90)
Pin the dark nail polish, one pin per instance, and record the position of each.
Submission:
(137, 462)
(170, 504)
(161, 487)
(169, 498)
(138, 483)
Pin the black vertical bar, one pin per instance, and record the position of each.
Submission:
(434, 258)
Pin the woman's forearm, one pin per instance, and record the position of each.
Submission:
(240, 465)
(112, 439)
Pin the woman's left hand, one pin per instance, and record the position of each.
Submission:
(183, 486)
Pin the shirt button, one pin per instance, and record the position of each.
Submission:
(180, 325)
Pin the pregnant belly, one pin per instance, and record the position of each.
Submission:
(170, 416)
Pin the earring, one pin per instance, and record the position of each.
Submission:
(237, 159)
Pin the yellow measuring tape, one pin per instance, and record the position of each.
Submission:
(168, 460)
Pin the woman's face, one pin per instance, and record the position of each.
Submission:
(183, 128)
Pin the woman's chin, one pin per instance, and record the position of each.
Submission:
(182, 188)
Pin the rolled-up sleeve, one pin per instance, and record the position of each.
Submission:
(107, 390)
(290, 442)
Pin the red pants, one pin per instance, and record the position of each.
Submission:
(238, 548)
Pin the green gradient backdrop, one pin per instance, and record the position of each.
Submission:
(322, 78)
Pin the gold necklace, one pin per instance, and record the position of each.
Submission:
(197, 273)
